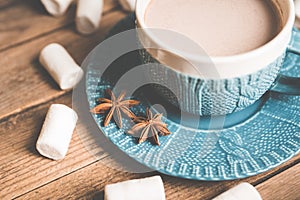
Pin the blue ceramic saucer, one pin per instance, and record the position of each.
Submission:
(249, 142)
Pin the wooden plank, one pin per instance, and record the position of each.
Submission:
(285, 185)
(6, 3)
(23, 20)
(89, 182)
(22, 168)
(24, 81)
(26, 174)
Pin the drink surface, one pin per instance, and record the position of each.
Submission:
(220, 27)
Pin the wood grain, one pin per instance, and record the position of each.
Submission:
(27, 92)
(25, 82)
(7, 3)
(89, 181)
(22, 168)
(26, 174)
(24, 20)
(285, 185)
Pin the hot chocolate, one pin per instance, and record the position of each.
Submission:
(220, 27)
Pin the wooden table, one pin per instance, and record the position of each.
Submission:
(26, 93)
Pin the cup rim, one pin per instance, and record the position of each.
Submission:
(287, 27)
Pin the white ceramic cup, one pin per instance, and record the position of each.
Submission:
(235, 83)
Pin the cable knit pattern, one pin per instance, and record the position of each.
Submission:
(292, 62)
(254, 144)
(210, 97)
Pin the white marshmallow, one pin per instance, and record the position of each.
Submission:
(56, 7)
(88, 15)
(128, 5)
(297, 8)
(151, 188)
(243, 191)
(56, 132)
(60, 66)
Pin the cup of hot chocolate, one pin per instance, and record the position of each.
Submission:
(231, 54)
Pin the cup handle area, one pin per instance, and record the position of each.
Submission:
(286, 84)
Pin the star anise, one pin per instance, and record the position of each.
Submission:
(151, 126)
(116, 107)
